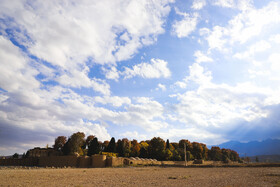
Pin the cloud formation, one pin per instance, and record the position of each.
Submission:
(157, 68)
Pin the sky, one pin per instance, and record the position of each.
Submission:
(202, 70)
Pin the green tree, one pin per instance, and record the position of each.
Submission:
(120, 148)
(176, 156)
(189, 156)
(75, 143)
(156, 148)
(167, 144)
(94, 147)
(168, 154)
(112, 146)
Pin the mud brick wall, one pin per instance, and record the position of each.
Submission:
(58, 161)
(114, 161)
(98, 161)
(19, 162)
(84, 162)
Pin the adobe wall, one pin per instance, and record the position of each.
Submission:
(58, 161)
(84, 162)
(19, 162)
(114, 161)
(98, 161)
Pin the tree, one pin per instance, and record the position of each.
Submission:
(59, 143)
(176, 156)
(197, 150)
(167, 144)
(204, 151)
(104, 145)
(156, 148)
(189, 156)
(168, 154)
(16, 155)
(75, 143)
(135, 148)
(112, 146)
(94, 147)
(215, 153)
(234, 156)
(144, 149)
(89, 139)
(257, 159)
(120, 148)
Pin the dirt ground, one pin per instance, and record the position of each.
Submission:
(141, 176)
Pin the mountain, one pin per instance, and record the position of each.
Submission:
(253, 148)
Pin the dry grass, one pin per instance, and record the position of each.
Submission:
(141, 176)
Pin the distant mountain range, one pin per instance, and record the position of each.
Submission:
(253, 148)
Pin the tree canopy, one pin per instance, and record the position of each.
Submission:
(155, 148)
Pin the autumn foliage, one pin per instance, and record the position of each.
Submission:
(155, 148)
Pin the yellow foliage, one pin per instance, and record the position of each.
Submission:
(109, 154)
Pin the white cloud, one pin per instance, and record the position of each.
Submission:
(144, 113)
(244, 26)
(225, 3)
(114, 100)
(134, 135)
(157, 68)
(111, 73)
(197, 75)
(274, 60)
(256, 48)
(181, 84)
(192, 134)
(198, 4)
(200, 57)
(240, 4)
(161, 87)
(64, 33)
(186, 26)
(275, 38)
(79, 78)
(16, 73)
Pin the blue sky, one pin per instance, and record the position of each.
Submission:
(203, 70)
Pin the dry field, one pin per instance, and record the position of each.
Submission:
(141, 176)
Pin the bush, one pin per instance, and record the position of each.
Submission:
(109, 154)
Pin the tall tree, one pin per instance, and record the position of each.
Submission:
(112, 146)
(167, 144)
(120, 148)
(156, 148)
(59, 143)
(94, 147)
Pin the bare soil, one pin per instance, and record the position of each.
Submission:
(141, 176)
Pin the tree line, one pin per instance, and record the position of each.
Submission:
(155, 148)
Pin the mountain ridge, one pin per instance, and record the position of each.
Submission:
(253, 148)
